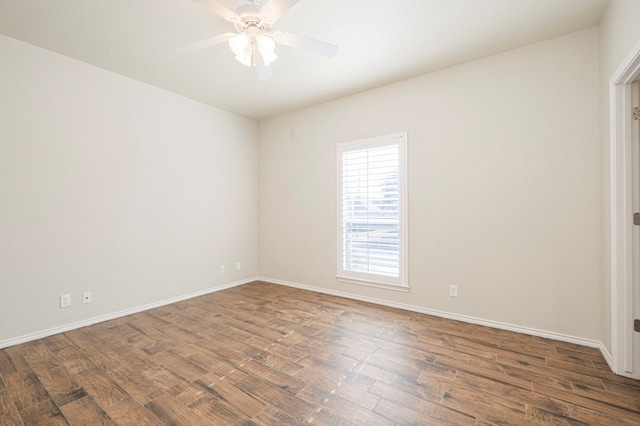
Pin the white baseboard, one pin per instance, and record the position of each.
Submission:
(607, 356)
(107, 317)
(412, 308)
(452, 316)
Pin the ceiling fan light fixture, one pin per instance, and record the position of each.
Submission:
(267, 45)
(269, 57)
(245, 59)
(239, 44)
(255, 41)
(245, 46)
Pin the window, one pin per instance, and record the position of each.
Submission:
(372, 225)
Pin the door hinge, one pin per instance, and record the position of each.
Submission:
(636, 325)
(636, 219)
(636, 113)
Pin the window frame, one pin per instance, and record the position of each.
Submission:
(401, 282)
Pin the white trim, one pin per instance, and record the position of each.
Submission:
(607, 355)
(119, 314)
(376, 284)
(412, 308)
(372, 279)
(448, 315)
(620, 144)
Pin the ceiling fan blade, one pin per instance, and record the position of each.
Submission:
(263, 70)
(212, 41)
(274, 9)
(305, 43)
(218, 9)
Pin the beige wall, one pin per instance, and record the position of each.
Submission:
(619, 33)
(504, 187)
(116, 187)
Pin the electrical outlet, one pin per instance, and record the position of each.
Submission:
(86, 297)
(222, 269)
(453, 290)
(65, 300)
(238, 266)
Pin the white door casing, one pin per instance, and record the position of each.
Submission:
(623, 337)
(635, 139)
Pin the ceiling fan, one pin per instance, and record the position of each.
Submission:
(255, 41)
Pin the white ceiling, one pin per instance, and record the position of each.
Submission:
(380, 42)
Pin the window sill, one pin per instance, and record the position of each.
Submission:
(404, 289)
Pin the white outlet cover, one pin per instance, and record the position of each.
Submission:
(238, 266)
(65, 300)
(222, 269)
(86, 297)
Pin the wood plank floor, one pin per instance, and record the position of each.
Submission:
(262, 354)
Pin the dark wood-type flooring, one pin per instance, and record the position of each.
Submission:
(271, 355)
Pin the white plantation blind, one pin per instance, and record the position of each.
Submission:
(371, 210)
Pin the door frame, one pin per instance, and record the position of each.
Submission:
(621, 180)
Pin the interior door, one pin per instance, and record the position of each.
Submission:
(636, 229)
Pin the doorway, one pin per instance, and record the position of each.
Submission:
(625, 200)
